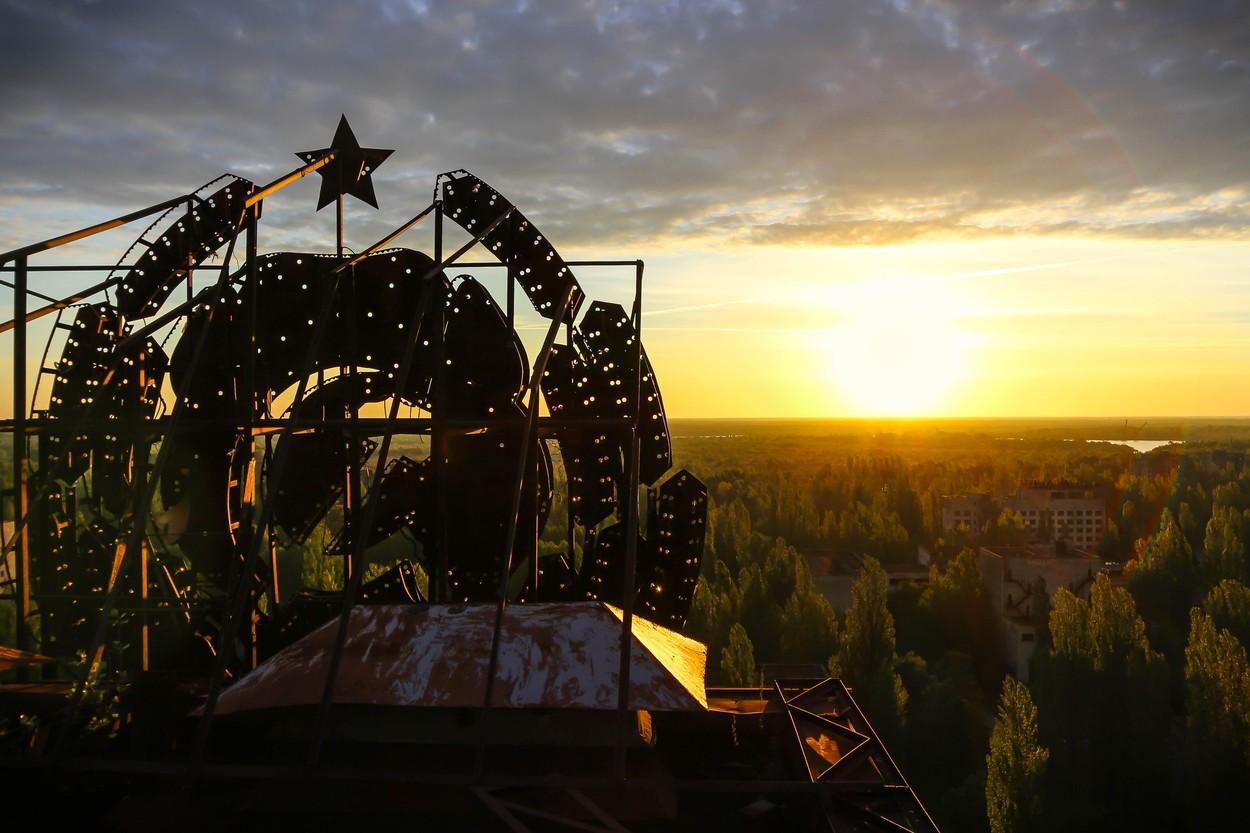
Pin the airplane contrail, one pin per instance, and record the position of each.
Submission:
(1037, 267)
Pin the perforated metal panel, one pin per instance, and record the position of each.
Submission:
(187, 241)
(542, 273)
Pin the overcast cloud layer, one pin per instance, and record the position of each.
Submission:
(761, 122)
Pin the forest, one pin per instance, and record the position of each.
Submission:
(1137, 712)
(1137, 716)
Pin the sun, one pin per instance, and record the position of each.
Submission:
(899, 350)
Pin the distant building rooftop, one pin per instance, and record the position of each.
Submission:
(1038, 551)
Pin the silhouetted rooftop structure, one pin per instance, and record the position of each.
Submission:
(187, 432)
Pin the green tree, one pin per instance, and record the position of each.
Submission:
(1224, 551)
(946, 737)
(1109, 545)
(1016, 764)
(1163, 583)
(1069, 626)
(1190, 525)
(809, 627)
(1217, 698)
(760, 614)
(964, 615)
(737, 659)
(713, 611)
(1103, 703)
(866, 655)
(1008, 528)
(1228, 604)
(868, 641)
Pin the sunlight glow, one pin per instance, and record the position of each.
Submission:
(899, 350)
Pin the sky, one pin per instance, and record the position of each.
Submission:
(846, 208)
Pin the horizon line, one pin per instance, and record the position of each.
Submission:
(915, 418)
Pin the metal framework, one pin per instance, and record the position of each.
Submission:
(154, 492)
(104, 443)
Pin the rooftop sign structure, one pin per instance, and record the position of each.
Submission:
(208, 406)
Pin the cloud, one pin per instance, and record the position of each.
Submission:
(766, 122)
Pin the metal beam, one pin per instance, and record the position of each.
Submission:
(64, 303)
(238, 594)
(283, 181)
(468, 264)
(21, 550)
(54, 242)
(528, 446)
(352, 589)
(436, 582)
(631, 544)
(139, 525)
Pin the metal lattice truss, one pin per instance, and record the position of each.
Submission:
(185, 442)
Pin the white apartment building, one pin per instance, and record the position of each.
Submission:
(1013, 574)
(1075, 514)
(971, 511)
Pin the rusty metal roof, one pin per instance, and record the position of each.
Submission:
(560, 655)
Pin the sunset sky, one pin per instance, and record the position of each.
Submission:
(846, 208)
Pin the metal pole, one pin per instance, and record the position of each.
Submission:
(338, 222)
(247, 470)
(351, 508)
(144, 616)
(63, 303)
(21, 552)
(30, 291)
(148, 493)
(353, 587)
(528, 442)
(285, 180)
(631, 542)
(190, 257)
(51, 243)
(249, 380)
(275, 594)
(204, 727)
(511, 272)
(139, 455)
(438, 586)
(234, 608)
(568, 492)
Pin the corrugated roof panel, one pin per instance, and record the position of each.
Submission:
(551, 656)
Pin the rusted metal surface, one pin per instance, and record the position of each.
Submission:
(11, 658)
(551, 656)
(835, 746)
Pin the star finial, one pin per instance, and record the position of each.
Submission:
(351, 169)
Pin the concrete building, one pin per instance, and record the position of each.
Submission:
(971, 511)
(1014, 578)
(1070, 513)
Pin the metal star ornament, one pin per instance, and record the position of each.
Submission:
(351, 169)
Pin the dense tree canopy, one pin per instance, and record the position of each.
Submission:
(866, 657)
(1223, 547)
(1109, 682)
(1217, 700)
(737, 659)
(1102, 694)
(1015, 765)
(1228, 605)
